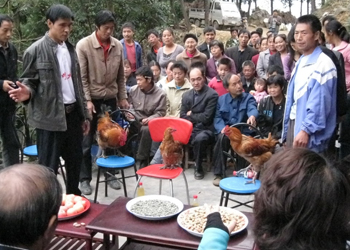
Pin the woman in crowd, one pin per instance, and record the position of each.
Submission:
(169, 75)
(169, 51)
(155, 67)
(129, 77)
(263, 61)
(263, 47)
(294, 53)
(281, 57)
(217, 51)
(191, 54)
(271, 108)
(302, 203)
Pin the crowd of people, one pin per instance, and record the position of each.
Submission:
(294, 87)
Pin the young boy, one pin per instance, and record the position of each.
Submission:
(131, 49)
(223, 68)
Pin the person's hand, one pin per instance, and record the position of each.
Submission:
(251, 121)
(301, 140)
(129, 116)
(231, 226)
(189, 113)
(222, 130)
(145, 121)
(8, 85)
(90, 107)
(86, 127)
(22, 93)
(124, 104)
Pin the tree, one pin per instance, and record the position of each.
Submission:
(185, 14)
(249, 5)
(301, 7)
(271, 2)
(313, 6)
(206, 14)
(288, 3)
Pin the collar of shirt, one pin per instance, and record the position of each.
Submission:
(5, 47)
(104, 47)
(236, 99)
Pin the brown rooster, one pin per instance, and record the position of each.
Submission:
(110, 135)
(255, 151)
(172, 151)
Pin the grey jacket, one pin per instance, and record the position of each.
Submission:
(41, 73)
(263, 64)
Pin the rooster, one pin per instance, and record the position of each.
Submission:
(110, 135)
(255, 151)
(172, 151)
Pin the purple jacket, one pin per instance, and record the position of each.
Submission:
(211, 67)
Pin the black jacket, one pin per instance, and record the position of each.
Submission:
(203, 48)
(8, 71)
(203, 111)
(240, 56)
(275, 59)
(151, 56)
(245, 86)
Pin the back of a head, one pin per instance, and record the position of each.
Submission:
(30, 195)
(337, 29)
(275, 69)
(298, 203)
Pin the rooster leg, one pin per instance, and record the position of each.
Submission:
(104, 154)
(120, 154)
(165, 166)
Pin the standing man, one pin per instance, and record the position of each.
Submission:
(53, 90)
(101, 64)
(233, 41)
(131, 49)
(311, 106)
(274, 22)
(155, 43)
(242, 52)
(209, 35)
(8, 77)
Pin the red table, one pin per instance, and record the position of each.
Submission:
(116, 220)
(66, 228)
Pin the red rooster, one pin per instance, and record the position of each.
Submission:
(255, 151)
(172, 151)
(110, 135)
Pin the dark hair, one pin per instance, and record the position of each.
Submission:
(273, 35)
(255, 32)
(276, 79)
(58, 11)
(291, 51)
(170, 30)
(180, 65)
(190, 35)
(226, 80)
(275, 68)
(337, 29)
(104, 17)
(128, 25)
(311, 20)
(168, 62)
(328, 18)
(209, 29)
(146, 72)
(126, 62)
(258, 80)
(154, 63)
(244, 31)
(225, 61)
(248, 63)
(300, 203)
(30, 195)
(152, 31)
(200, 66)
(283, 36)
(231, 30)
(6, 18)
(322, 39)
(219, 44)
(260, 31)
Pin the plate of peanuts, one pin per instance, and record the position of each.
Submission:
(194, 220)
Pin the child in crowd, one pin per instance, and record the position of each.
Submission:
(223, 68)
(155, 67)
(129, 77)
(260, 89)
(169, 75)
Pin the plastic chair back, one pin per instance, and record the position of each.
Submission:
(183, 128)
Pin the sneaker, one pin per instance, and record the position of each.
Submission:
(198, 175)
(217, 180)
(113, 183)
(85, 187)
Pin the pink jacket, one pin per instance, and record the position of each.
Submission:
(344, 48)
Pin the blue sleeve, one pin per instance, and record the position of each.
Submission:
(251, 106)
(219, 123)
(214, 238)
(139, 55)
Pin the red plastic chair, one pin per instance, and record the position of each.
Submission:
(182, 134)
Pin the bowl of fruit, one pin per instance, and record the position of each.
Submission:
(72, 206)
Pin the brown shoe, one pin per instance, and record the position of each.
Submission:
(217, 180)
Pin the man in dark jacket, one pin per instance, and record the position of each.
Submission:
(155, 43)
(209, 36)
(53, 89)
(8, 77)
(242, 52)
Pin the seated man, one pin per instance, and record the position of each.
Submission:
(248, 76)
(148, 102)
(30, 197)
(234, 107)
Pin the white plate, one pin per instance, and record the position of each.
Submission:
(177, 202)
(234, 211)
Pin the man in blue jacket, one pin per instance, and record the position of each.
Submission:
(311, 110)
(131, 49)
(233, 107)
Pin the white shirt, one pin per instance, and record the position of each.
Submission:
(299, 82)
(65, 63)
